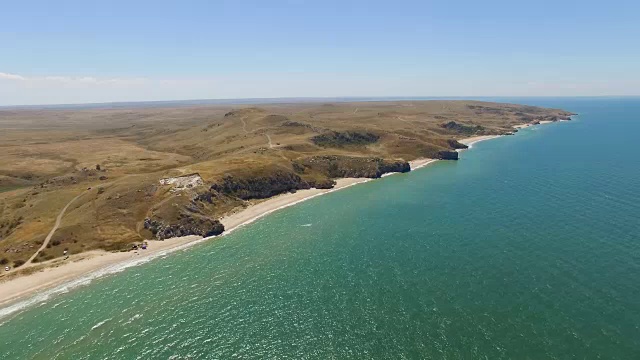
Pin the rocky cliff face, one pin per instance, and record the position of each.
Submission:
(186, 225)
(191, 215)
(454, 144)
(260, 187)
(447, 155)
(565, 117)
(385, 167)
(334, 166)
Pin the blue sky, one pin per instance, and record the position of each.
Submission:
(99, 51)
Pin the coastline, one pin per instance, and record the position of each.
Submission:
(22, 291)
(80, 269)
(476, 139)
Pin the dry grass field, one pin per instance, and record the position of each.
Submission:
(115, 158)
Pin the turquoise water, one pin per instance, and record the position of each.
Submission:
(526, 248)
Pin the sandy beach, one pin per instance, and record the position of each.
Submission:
(530, 124)
(419, 163)
(472, 140)
(63, 271)
(60, 272)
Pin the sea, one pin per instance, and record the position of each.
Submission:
(528, 247)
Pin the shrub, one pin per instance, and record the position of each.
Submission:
(340, 139)
(18, 263)
(462, 128)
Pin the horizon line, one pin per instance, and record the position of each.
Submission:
(287, 100)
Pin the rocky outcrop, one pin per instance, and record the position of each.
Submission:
(203, 196)
(565, 117)
(192, 217)
(297, 124)
(392, 167)
(345, 138)
(260, 187)
(462, 128)
(334, 166)
(447, 155)
(315, 172)
(322, 184)
(455, 144)
(290, 123)
(559, 117)
(186, 225)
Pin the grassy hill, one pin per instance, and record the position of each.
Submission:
(116, 157)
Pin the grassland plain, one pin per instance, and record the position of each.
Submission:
(113, 159)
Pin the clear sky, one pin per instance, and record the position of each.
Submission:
(99, 51)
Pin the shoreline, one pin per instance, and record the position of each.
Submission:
(476, 139)
(22, 291)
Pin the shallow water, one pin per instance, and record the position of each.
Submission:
(527, 247)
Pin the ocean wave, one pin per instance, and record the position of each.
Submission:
(42, 297)
(99, 324)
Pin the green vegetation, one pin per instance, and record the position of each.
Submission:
(345, 138)
(463, 129)
(260, 187)
(17, 263)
